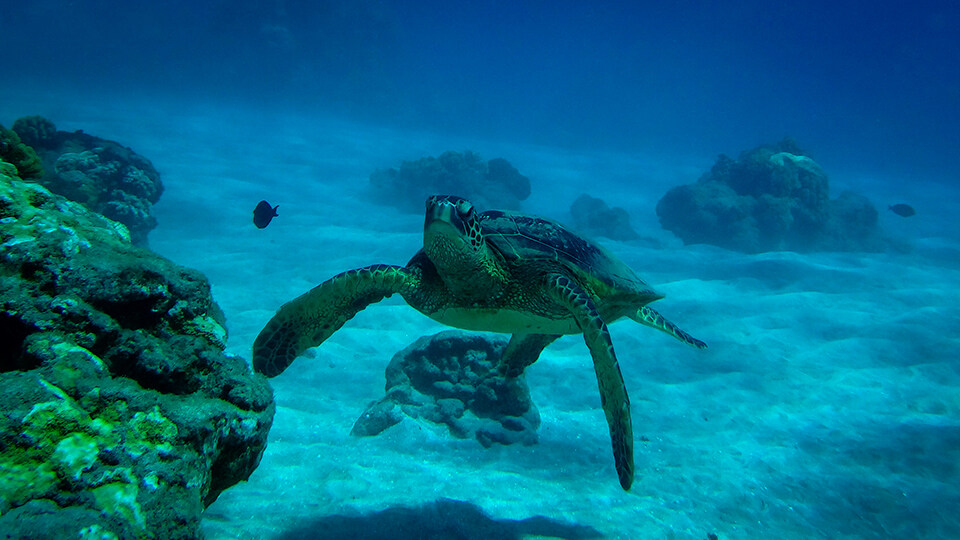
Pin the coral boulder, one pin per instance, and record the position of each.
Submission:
(451, 378)
(103, 175)
(592, 216)
(489, 184)
(122, 416)
(773, 197)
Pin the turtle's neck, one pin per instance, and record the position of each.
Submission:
(471, 274)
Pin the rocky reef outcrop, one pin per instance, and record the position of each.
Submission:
(122, 416)
(773, 197)
(103, 175)
(451, 378)
(488, 184)
(20, 154)
(592, 216)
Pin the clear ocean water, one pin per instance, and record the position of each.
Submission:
(828, 403)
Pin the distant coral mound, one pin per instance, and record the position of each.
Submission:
(103, 175)
(773, 197)
(451, 378)
(488, 184)
(120, 414)
(592, 216)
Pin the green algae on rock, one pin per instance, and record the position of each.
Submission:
(122, 416)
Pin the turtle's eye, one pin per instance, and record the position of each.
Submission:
(465, 209)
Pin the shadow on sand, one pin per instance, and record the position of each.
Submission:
(441, 519)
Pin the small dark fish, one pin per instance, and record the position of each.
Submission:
(263, 213)
(903, 210)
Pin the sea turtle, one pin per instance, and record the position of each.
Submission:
(493, 271)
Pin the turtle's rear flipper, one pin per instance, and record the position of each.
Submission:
(523, 350)
(648, 316)
(308, 320)
(613, 393)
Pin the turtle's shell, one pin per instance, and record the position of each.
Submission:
(520, 237)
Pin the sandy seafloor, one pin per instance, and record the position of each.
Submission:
(827, 406)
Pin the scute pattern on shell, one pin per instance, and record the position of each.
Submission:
(521, 237)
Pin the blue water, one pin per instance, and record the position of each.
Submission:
(826, 406)
(872, 87)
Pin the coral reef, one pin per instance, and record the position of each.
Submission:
(36, 131)
(491, 184)
(103, 175)
(593, 217)
(22, 156)
(451, 378)
(773, 197)
(122, 416)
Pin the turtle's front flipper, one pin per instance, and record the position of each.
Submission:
(311, 318)
(613, 393)
(523, 350)
(649, 317)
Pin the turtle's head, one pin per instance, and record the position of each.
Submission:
(452, 219)
(453, 241)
